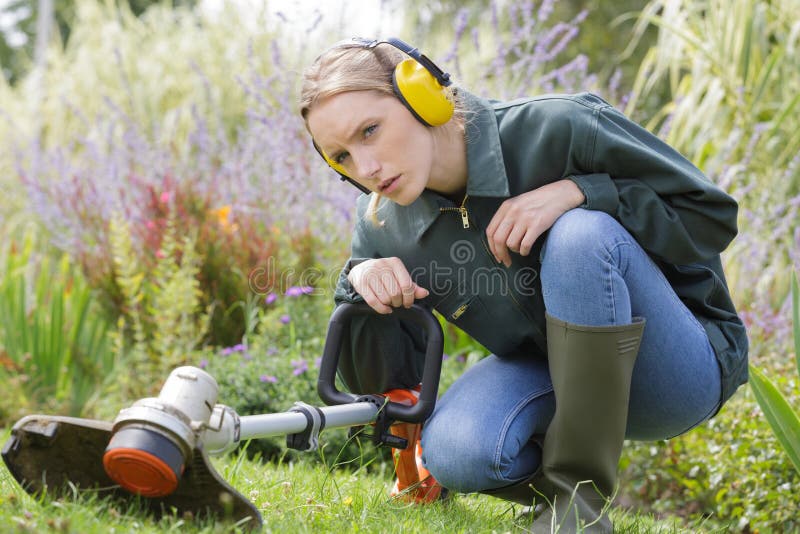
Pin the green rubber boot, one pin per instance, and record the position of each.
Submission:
(591, 368)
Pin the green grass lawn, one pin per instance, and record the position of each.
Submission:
(293, 498)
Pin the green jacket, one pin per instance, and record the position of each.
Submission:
(675, 213)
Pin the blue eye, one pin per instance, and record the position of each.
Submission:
(340, 157)
(369, 130)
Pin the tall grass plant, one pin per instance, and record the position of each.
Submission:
(777, 408)
(55, 348)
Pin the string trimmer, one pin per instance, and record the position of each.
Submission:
(159, 447)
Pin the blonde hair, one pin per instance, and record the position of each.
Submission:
(344, 68)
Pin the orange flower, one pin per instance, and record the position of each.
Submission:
(223, 216)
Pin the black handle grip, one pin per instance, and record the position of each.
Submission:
(344, 313)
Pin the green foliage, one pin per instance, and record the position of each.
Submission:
(149, 66)
(602, 37)
(732, 72)
(55, 348)
(162, 305)
(780, 414)
(730, 470)
(796, 320)
(16, 56)
(273, 365)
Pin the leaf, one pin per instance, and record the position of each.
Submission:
(796, 320)
(780, 415)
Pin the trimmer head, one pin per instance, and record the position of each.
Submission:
(47, 453)
(157, 449)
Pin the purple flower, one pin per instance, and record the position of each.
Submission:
(269, 299)
(268, 378)
(203, 363)
(285, 319)
(227, 351)
(300, 367)
(294, 291)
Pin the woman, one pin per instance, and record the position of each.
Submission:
(578, 248)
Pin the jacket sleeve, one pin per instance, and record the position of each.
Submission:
(672, 209)
(379, 352)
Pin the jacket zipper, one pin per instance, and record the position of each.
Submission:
(462, 209)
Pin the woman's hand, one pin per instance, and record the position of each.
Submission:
(522, 219)
(385, 284)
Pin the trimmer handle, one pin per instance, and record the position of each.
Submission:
(344, 313)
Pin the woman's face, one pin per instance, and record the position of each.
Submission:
(377, 141)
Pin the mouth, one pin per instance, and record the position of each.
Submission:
(388, 185)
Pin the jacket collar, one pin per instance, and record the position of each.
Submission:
(486, 170)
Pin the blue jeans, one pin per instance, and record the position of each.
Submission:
(593, 272)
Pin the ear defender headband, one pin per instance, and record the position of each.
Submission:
(418, 83)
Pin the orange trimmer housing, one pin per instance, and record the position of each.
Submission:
(414, 482)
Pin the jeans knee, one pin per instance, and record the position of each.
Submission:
(580, 231)
(576, 238)
(456, 460)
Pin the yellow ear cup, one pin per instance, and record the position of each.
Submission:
(423, 94)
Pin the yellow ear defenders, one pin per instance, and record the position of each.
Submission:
(419, 84)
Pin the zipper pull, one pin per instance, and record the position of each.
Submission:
(460, 311)
(464, 216)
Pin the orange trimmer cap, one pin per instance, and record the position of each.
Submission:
(140, 472)
(144, 461)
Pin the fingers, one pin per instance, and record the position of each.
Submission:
(491, 230)
(420, 292)
(385, 284)
(514, 228)
(527, 242)
(498, 233)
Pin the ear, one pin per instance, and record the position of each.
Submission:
(421, 93)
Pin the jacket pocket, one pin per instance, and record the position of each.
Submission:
(505, 331)
(465, 311)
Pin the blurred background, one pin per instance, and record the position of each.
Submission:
(162, 203)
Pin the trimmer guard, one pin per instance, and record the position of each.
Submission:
(48, 453)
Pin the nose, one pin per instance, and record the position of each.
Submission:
(367, 165)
